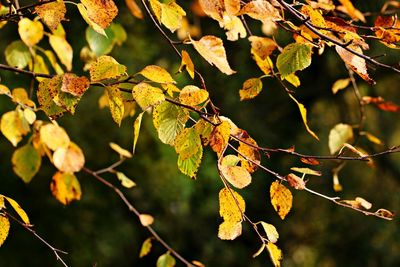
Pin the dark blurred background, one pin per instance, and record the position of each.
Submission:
(100, 230)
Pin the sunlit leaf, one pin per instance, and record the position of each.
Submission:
(116, 104)
(84, 13)
(259, 251)
(249, 154)
(385, 213)
(187, 63)
(52, 13)
(134, 8)
(281, 199)
(231, 205)
(187, 143)
(381, 103)
(306, 171)
(250, 89)
(340, 85)
(204, 129)
(212, 50)
(190, 165)
(4, 228)
(295, 181)
(70, 159)
(169, 120)
(26, 162)
(14, 126)
(17, 54)
(17, 208)
(100, 44)
(45, 95)
(125, 181)
(192, 95)
(219, 137)
(157, 74)
(238, 176)
(270, 230)
(338, 136)
(229, 230)
(104, 68)
(146, 247)
(294, 57)
(74, 85)
(388, 30)
(261, 10)
(146, 95)
(303, 112)
(101, 12)
(166, 260)
(54, 136)
(31, 32)
(349, 8)
(63, 50)
(275, 254)
(146, 219)
(123, 152)
(65, 187)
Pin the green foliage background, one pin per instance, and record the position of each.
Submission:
(100, 230)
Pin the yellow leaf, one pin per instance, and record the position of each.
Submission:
(219, 137)
(192, 95)
(2, 204)
(234, 27)
(125, 181)
(270, 230)
(339, 135)
(306, 171)
(54, 136)
(372, 138)
(31, 32)
(84, 13)
(250, 89)
(212, 50)
(157, 74)
(293, 79)
(213, 8)
(136, 130)
(134, 8)
(14, 126)
(238, 176)
(187, 143)
(146, 247)
(281, 199)
(101, 12)
(340, 85)
(63, 50)
(170, 14)
(123, 152)
(52, 13)
(356, 63)
(232, 7)
(364, 203)
(351, 10)
(231, 205)
(70, 159)
(39, 65)
(303, 112)
(146, 219)
(104, 68)
(17, 208)
(74, 85)
(261, 10)
(204, 129)
(262, 46)
(275, 254)
(4, 90)
(316, 18)
(4, 228)
(146, 95)
(115, 103)
(65, 187)
(188, 63)
(229, 230)
(249, 151)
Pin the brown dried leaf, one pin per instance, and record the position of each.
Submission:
(52, 13)
(101, 12)
(74, 85)
(295, 181)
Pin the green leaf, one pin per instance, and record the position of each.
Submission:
(190, 165)
(294, 57)
(166, 260)
(98, 43)
(17, 55)
(119, 33)
(146, 95)
(136, 130)
(115, 103)
(45, 97)
(146, 247)
(105, 68)
(169, 120)
(26, 162)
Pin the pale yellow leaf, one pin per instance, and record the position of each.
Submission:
(364, 203)
(123, 152)
(259, 251)
(70, 159)
(261, 10)
(115, 103)
(270, 230)
(339, 135)
(104, 68)
(157, 74)
(146, 95)
(238, 176)
(125, 181)
(14, 126)
(212, 50)
(30, 116)
(63, 50)
(229, 230)
(31, 32)
(54, 136)
(340, 85)
(146, 219)
(4, 228)
(306, 171)
(275, 254)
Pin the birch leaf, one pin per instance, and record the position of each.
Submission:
(65, 187)
(136, 130)
(281, 199)
(303, 112)
(26, 162)
(4, 228)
